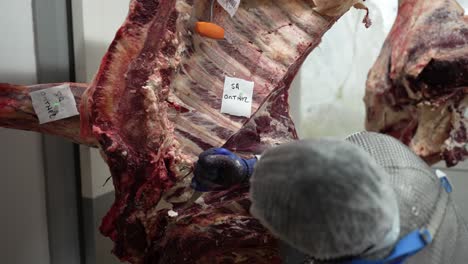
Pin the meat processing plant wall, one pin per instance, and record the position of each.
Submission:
(333, 77)
(23, 194)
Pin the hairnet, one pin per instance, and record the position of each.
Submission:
(326, 197)
(422, 200)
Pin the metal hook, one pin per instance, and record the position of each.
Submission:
(211, 10)
(210, 29)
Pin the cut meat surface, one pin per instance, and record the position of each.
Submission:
(417, 90)
(155, 105)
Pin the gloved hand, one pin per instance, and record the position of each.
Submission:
(219, 168)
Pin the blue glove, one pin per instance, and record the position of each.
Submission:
(218, 169)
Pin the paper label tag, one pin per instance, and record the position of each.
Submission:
(54, 103)
(237, 97)
(230, 6)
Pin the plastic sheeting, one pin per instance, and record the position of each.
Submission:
(332, 80)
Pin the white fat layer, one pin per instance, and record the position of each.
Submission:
(172, 213)
(200, 201)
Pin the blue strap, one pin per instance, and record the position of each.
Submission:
(408, 246)
(446, 184)
(444, 180)
(249, 165)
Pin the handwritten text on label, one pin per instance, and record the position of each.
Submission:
(54, 103)
(237, 97)
(230, 6)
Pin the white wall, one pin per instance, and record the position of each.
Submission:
(458, 177)
(333, 77)
(23, 223)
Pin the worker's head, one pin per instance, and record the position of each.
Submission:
(326, 197)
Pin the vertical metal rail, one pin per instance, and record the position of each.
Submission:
(54, 52)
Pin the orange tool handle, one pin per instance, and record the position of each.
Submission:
(209, 30)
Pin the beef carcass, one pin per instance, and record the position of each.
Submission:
(154, 106)
(417, 90)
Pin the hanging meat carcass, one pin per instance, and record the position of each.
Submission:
(417, 90)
